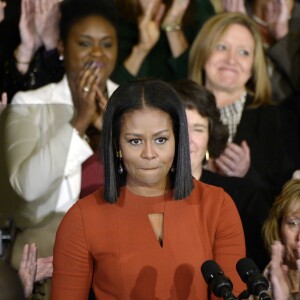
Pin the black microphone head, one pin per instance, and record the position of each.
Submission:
(250, 274)
(220, 285)
(246, 267)
(209, 269)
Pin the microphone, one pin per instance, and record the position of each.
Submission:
(257, 284)
(220, 285)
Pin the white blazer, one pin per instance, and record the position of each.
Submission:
(44, 154)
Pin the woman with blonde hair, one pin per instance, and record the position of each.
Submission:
(227, 57)
(281, 233)
(278, 23)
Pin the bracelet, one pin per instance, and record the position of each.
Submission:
(22, 62)
(85, 137)
(171, 27)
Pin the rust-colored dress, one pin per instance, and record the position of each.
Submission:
(113, 248)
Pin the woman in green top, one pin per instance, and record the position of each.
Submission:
(154, 37)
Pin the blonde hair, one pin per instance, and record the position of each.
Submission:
(207, 38)
(284, 203)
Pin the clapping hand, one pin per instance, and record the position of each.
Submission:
(87, 97)
(46, 18)
(2, 6)
(234, 6)
(279, 272)
(33, 269)
(176, 12)
(30, 40)
(235, 160)
(3, 102)
(277, 18)
(38, 27)
(149, 25)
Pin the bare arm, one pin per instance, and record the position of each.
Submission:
(177, 40)
(30, 41)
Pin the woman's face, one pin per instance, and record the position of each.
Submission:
(91, 39)
(147, 144)
(198, 137)
(229, 66)
(290, 233)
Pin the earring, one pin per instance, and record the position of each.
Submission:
(61, 57)
(207, 155)
(172, 169)
(205, 159)
(120, 167)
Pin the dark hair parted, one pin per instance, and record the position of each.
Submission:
(73, 11)
(197, 97)
(136, 95)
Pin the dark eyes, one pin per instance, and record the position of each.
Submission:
(135, 142)
(159, 141)
(221, 47)
(104, 44)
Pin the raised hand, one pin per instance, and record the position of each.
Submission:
(2, 6)
(30, 40)
(44, 268)
(277, 18)
(298, 256)
(149, 25)
(85, 94)
(235, 160)
(176, 12)
(3, 102)
(278, 272)
(46, 18)
(234, 6)
(149, 32)
(101, 105)
(32, 269)
(27, 269)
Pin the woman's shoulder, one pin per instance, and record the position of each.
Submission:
(89, 209)
(93, 200)
(202, 187)
(207, 194)
(52, 93)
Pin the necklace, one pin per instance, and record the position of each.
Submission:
(259, 21)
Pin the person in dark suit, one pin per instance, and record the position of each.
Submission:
(208, 138)
(227, 57)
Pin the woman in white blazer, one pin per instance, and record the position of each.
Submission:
(46, 130)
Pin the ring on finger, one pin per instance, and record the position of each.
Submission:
(86, 89)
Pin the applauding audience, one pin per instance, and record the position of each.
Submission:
(227, 58)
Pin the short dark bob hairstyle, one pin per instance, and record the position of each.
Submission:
(72, 11)
(197, 97)
(136, 95)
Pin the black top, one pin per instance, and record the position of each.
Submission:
(273, 138)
